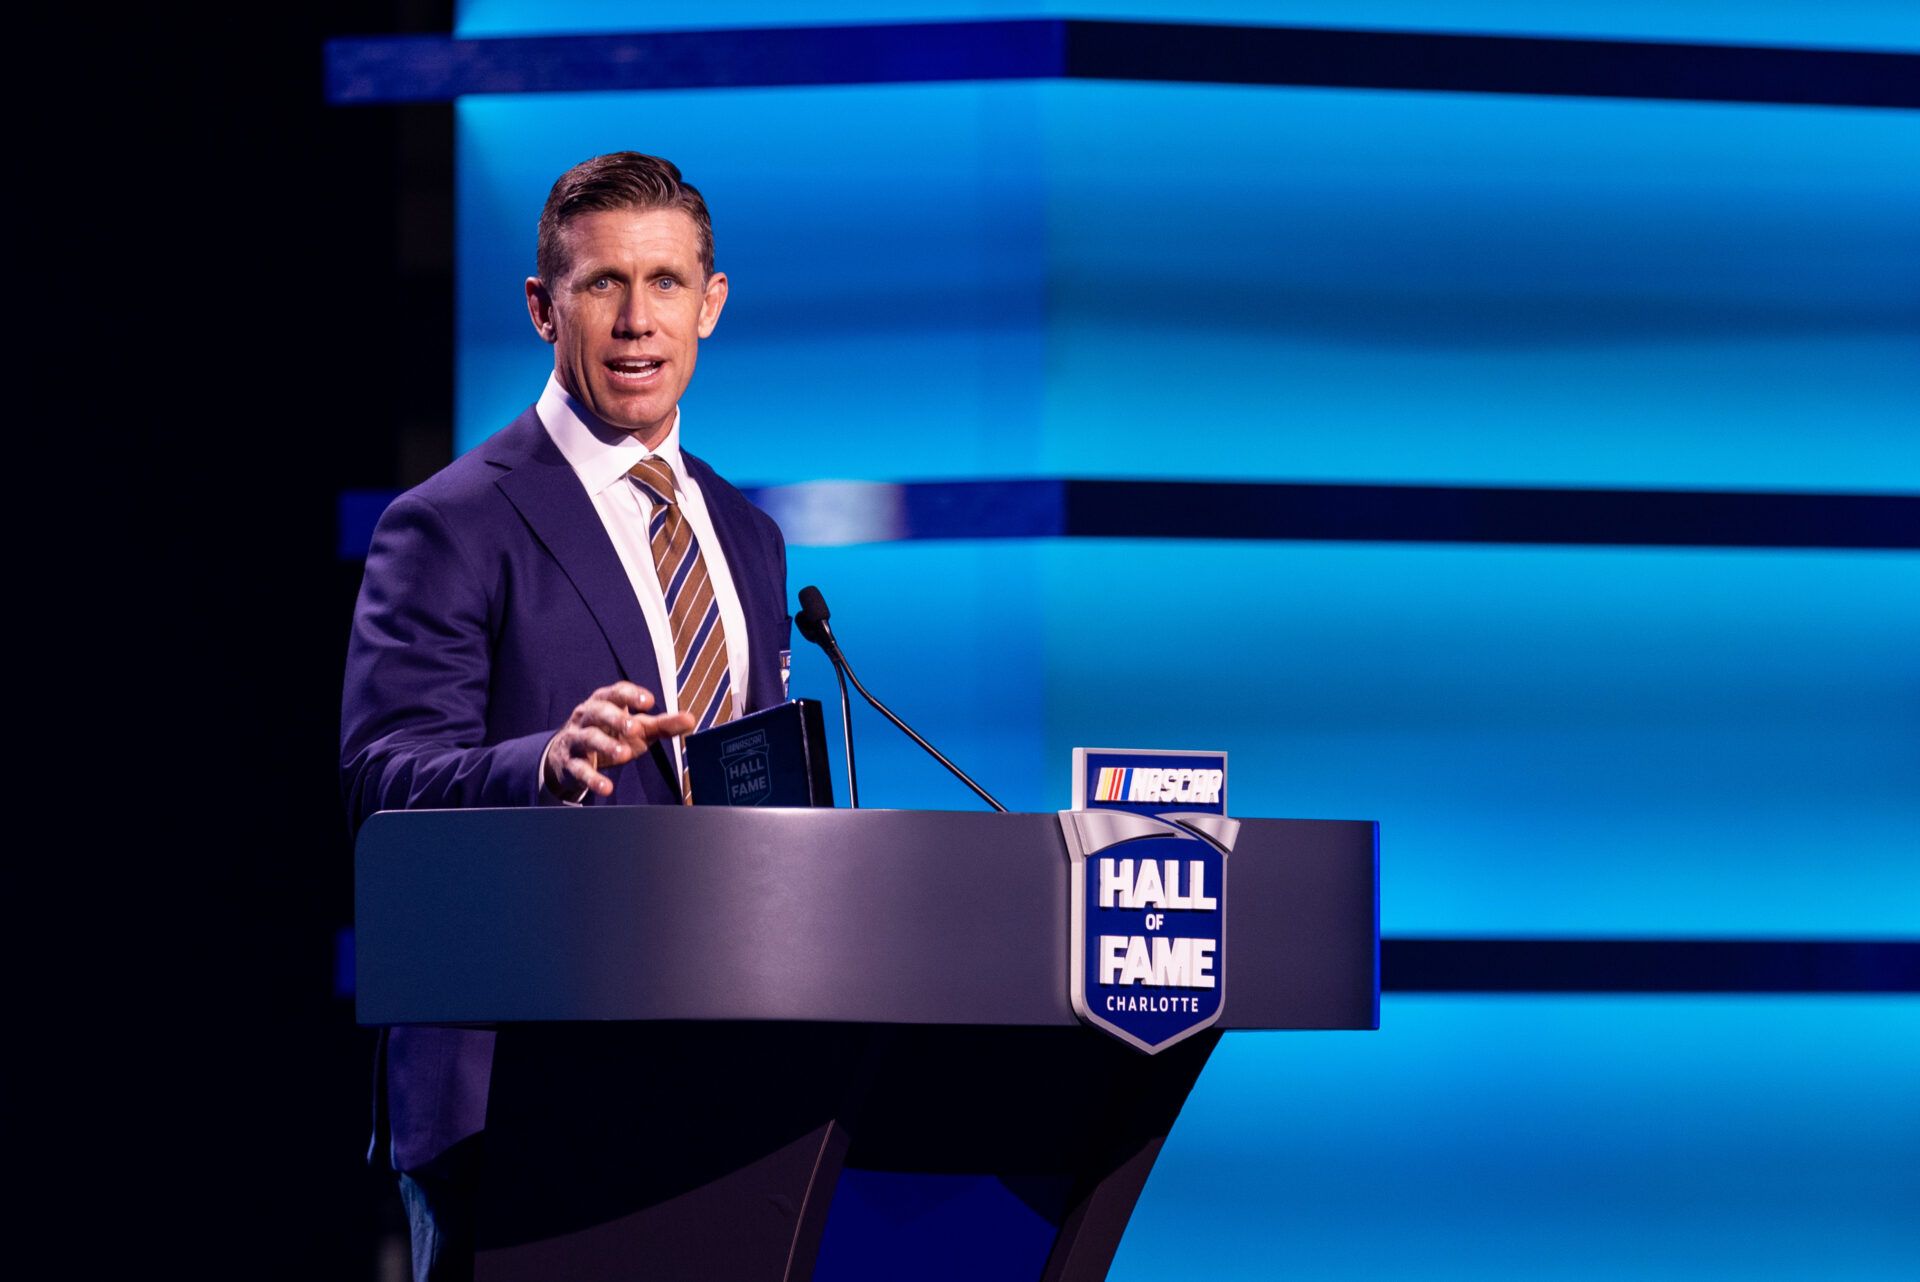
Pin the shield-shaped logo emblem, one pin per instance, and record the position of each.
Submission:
(1149, 917)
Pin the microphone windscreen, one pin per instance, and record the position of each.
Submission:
(813, 615)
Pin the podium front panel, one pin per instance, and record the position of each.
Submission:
(486, 917)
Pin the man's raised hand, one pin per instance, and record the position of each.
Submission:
(610, 726)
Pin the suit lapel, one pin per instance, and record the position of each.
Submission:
(547, 494)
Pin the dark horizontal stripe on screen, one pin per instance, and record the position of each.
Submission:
(1647, 966)
(826, 513)
(438, 68)
(1489, 514)
(1491, 64)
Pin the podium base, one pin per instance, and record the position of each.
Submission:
(704, 1151)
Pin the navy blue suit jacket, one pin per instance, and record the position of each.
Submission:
(493, 603)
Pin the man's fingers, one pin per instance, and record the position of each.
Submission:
(599, 742)
(585, 774)
(607, 716)
(613, 714)
(637, 729)
(608, 727)
(571, 761)
(627, 695)
(664, 726)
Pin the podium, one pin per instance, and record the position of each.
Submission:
(710, 1018)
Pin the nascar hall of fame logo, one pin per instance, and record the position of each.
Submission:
(1148, 841)
(749, 774)
(1146, 783)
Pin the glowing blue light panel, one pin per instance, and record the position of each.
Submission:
(1567, 1138)
(1335, 285)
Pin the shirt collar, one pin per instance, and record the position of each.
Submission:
(600, 455)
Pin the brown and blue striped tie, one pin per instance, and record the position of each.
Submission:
(704, 681)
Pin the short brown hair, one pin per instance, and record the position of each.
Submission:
(617, 180)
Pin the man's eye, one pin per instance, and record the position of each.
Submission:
(667, 284)
(602, 283)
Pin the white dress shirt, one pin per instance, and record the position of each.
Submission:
(601, 458)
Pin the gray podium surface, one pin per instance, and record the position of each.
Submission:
(868, 916)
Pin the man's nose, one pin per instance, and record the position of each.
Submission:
(635, 318)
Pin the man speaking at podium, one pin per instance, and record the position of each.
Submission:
(542, 619)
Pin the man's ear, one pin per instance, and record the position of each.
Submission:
(712, 299)
(540, 308)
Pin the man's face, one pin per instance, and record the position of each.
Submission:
(627, 317)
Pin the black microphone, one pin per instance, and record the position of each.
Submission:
(812, 621)
(813, 616)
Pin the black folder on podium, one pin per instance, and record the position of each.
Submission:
(774, 757)
(706, 1015)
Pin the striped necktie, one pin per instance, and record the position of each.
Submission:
(703, 679)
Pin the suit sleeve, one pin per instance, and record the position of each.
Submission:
(413, 732)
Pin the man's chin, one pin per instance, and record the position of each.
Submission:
(635, 416)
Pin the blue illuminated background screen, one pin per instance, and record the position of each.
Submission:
(1047, 279)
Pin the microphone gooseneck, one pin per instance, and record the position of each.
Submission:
(812, 622)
